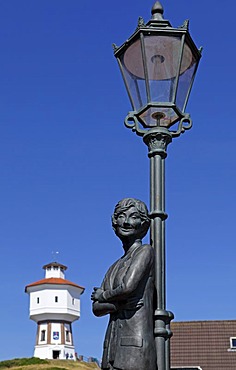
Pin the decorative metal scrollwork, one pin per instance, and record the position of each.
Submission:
(157, 142)
(141, 23)
(185, 25)
(182, 127)
(131, 121)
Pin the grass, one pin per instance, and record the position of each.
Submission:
(35, 363)
(21, 362)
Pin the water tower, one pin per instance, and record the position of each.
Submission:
(54, 305)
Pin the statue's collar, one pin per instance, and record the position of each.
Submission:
(135, 245)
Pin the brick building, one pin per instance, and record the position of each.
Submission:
(203, 345)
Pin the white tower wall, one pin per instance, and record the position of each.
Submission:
(51, 301)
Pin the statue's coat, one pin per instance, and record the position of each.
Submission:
(128, 292)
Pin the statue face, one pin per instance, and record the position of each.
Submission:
(129, 224)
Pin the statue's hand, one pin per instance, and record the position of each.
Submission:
(97, 295)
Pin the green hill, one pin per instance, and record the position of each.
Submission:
(37, 364)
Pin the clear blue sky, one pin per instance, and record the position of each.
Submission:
(66, 159)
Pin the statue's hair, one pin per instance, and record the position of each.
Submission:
(141, 207)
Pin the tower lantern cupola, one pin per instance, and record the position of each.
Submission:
(54, 269)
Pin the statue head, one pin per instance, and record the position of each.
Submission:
(130, 219)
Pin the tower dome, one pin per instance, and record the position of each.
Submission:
(54, 305)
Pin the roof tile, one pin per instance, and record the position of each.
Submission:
(54, 281)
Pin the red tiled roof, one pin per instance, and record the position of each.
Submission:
(203, 343)
(55, 281)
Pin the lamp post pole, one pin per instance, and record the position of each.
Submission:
(157, 140)
(158, 64)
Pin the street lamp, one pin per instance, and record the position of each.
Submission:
(158, 64)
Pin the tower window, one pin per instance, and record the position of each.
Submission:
(43, 335)
(37, 299)
(73, 301)
(67, 336)
(56, 298)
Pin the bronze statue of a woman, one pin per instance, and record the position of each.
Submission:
(127, 294)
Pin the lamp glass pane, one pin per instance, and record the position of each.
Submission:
(161, 91)
(135, 76)
(185, 78)
(162, 57)
(163, 62)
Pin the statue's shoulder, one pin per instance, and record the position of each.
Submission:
(147, 246)
(146, 249)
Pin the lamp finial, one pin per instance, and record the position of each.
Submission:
(157, 10)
